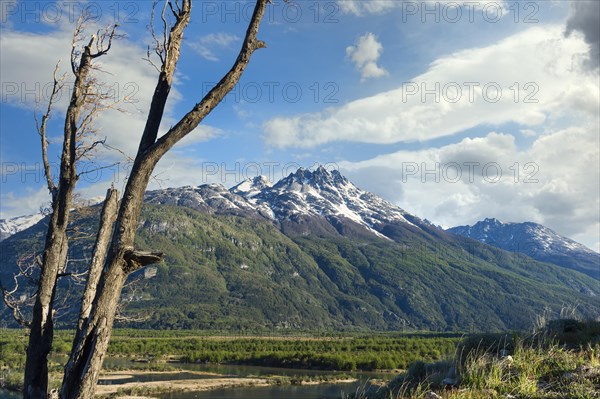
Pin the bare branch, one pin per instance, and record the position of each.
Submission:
(104, 41)
(133, 287)
(75, 276)
(168, 52)
(193, 118)
(99, 168)
(107, 220)
(41, 129)
(165, 29)
(86, 149)
(175, 12)
(77, 38)
(17, 299)
(129, 158)
(158, 46)
(135, 259)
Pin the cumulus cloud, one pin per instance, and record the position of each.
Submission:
(207, 45)
(554, 182)
(585, 18)
(525, 78)
(27, 62)
(365, 54)
(29, 204)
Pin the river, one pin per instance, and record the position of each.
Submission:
(319, 391)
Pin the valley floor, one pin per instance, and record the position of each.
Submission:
(559, 361)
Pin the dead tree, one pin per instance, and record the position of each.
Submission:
(89, 348)
(54, 259)
(107, 276)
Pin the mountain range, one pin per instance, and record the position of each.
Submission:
(8, 227)
(536, 241)
(313, 251)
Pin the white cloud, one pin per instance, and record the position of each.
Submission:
(27, 62)
(28, 204)
(365, 54)
(207, 45)
(555, 182)
(526, 78)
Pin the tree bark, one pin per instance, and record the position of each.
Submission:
(105, 229)
(107, 221)
(87, 354)
(56, 246)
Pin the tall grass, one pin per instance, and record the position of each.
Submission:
(558, 361)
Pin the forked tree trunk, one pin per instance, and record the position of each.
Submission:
(88, 351)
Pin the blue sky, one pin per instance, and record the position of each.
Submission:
(453, 110)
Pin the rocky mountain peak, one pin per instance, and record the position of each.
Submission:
(251, 186)
(537, 241)
(491, 221)
(319, 179)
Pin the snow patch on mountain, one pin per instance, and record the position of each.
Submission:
(537, 241)
(322, 194)
(328, 193)
(533, 235)
(9, 227)
(251, 187)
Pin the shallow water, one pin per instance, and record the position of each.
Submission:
(322, 391)
(4, 394)
(258, 371)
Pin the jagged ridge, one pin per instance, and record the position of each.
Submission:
(315, 251)
(536, 241)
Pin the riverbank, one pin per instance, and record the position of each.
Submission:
(169, 381)
(297, 359)
(155, 387)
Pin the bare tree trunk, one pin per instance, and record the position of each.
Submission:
(105, 229)
(88, 354)
(107, 221)
(42, 327)
(56, 246)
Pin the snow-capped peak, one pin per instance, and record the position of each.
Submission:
(251, 186)
(492, 221)
(536, 241)
(8, 227)
(325, 193)
(323, 196)
(321, 179)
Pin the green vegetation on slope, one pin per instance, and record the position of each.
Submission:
(238, 273)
